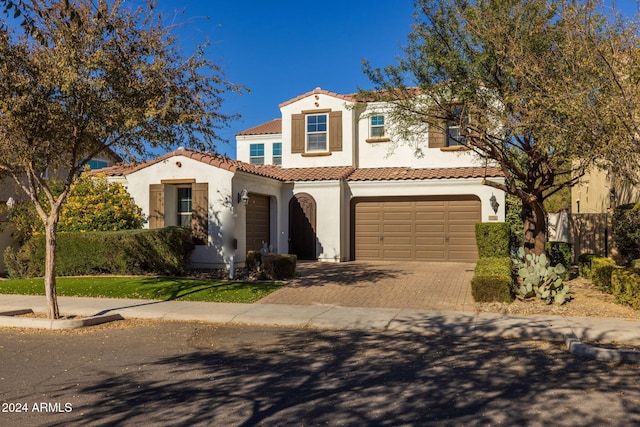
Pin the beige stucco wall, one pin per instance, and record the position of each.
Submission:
(220, 200)
(318, 102)
(593, 193)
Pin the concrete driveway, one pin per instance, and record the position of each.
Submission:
(404, 285)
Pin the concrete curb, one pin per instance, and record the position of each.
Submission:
(576, 347)
(8, 319)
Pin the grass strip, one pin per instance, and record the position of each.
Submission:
(147, 287)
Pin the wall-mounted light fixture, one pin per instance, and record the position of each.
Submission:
(11, 203)
(243, 197)
(494, 203)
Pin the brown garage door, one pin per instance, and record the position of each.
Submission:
(257, 221)
(430, 229)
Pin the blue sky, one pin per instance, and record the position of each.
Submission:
(281, 49)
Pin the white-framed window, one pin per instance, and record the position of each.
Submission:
(376, 128)
(95, 164)
(256, 154)
(454, 136)
(185, 209)
(277, 153)
(316, 132)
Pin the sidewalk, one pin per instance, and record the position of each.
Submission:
(466, 323)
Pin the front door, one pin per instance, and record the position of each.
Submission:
(302, 226)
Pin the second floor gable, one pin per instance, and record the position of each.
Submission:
(322, 128)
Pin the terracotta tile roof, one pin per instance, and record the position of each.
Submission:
(318, 91)
(215, 160)
(328, 173)
(270, 128)
(396, 174)
(269, 171)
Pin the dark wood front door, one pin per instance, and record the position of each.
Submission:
(302, 226)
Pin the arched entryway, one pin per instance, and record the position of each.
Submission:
(302, 226)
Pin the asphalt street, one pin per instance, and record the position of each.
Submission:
(188, 373)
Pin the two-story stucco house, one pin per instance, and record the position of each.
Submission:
(321, 182)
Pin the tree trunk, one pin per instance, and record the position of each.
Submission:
(53, 311)
(535, 228)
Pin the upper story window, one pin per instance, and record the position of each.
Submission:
(256, 154)
(184, 206)
(316, 132)
(454, 136)
(277, 153)
(376, 129)
(98, 164)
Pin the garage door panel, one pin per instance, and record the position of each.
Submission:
(396, 253)
(398, 240)
(430, 215)
(396, 228)
(370, 228)
(419, 229)
(430, 228)
(429, 240)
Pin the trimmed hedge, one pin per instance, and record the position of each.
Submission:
(584, 265)
(601, 270)
(279, 266)
(493, 239)
(158, 251)
(492, 280)
(254, 259)
(625, 286)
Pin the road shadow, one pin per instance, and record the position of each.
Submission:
(267, 376)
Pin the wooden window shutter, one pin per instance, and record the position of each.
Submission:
(335, 131)
(437, 136)
(156, 206)
(297, 133)
(200, 212)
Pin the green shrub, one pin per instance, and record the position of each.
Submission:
(15, 268)
(492, 239)
(584, 265)
(254, 259)
(625, 286)
(279, 266)
(635, 265)
(601, 269)
(492, 280)
(560, 253)
(158, 251)
(626, 230)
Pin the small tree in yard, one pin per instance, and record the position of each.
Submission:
(93, 204)
(85, 76)
(529, 84)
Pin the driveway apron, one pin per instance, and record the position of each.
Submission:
(403, 285)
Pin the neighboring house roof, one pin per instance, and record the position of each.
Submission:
(328, 173)
(273, 127)
(318, 91)
(403, 173)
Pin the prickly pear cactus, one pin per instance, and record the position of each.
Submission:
(538, 279)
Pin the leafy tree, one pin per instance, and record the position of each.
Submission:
(93, 204)
(82, 76)
(527, 82)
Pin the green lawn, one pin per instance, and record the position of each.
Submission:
(141, 287)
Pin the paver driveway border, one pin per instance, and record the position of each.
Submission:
(403, 285)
